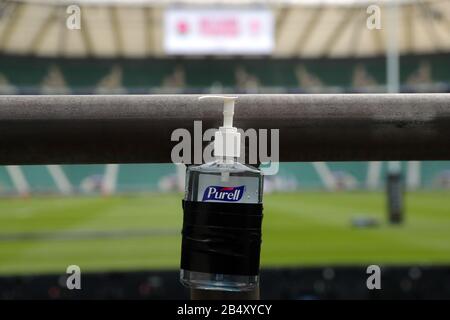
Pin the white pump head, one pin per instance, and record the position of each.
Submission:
(227, 140)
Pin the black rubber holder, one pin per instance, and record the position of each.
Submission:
(221, 238)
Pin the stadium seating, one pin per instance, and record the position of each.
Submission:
(162, 177)
(144, 76)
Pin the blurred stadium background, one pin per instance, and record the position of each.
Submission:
(121, 223)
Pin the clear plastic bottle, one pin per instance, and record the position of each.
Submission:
(224, 180)
(226, 173)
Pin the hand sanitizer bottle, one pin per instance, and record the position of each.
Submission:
(222, 216)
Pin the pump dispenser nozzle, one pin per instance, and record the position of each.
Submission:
(227, 140)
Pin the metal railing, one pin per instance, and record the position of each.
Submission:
(138, 128)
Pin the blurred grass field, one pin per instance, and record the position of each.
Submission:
(45, 235)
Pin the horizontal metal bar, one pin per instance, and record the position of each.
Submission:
(138, 128)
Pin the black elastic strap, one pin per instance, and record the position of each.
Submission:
(222, 238)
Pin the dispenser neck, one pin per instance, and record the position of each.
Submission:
(228, 113)
(226, 160)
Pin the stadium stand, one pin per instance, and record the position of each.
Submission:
(162, 177)
(280, 283)
(25, 75)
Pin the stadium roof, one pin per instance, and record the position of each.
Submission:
(209, 2)
(303, 28)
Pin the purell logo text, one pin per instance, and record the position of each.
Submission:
(218, 193)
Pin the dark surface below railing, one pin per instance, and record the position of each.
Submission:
(400, 282)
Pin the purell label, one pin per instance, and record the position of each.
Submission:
(237, 189)
(228, 194)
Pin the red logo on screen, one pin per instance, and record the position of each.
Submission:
(222, 27)
(255, 27)
(182, 27)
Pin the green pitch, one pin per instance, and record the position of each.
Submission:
(143, 232)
